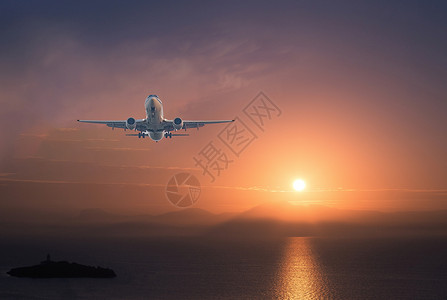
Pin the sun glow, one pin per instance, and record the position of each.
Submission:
(299, 185)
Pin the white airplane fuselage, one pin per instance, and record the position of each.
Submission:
(154, 117)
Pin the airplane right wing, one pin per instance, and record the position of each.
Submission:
(139, 124)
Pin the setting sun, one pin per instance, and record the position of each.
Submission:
(299, 185)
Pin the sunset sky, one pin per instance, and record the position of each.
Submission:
(360, 86)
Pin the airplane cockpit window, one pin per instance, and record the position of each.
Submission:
(151, 96)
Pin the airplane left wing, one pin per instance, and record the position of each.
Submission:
(169, 124)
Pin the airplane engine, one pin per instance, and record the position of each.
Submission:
(178, 123)
(131, 123)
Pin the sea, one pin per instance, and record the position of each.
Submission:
(244, 268)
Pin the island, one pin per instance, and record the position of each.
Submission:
(61, 269)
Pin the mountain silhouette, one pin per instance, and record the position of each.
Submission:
(269, 219)
(272, 219)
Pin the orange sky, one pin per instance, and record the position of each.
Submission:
(361, 98)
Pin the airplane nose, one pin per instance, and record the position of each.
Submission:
(152, 104)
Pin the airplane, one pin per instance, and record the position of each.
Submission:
(154, 125)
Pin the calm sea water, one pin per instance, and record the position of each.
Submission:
(196, 268)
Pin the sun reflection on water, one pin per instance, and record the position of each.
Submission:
(299, 275)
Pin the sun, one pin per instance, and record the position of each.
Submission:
(299, 185)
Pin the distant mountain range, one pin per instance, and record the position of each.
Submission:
(278, 219)
(189, 216)
(270, 219)
(284, 219)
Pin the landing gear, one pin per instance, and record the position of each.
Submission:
(168, 135)
(141, 135)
